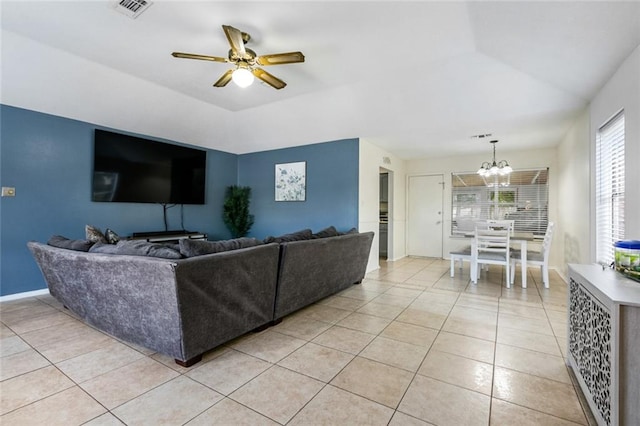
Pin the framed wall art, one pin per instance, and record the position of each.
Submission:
(291, 181)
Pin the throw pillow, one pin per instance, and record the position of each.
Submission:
(94, 234)
(136, 248)
(190, 248)
(304, 234)
(111, 236)
(331, 231)
(173, 246)
(65, 243)
(350, 231)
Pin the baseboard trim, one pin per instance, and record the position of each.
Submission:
(24, 295)
(395, 259)
(559, 271)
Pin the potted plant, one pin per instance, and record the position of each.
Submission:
(236, 210)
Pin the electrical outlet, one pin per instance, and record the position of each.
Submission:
(8, 191)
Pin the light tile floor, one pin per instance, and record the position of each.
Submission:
(409, 346)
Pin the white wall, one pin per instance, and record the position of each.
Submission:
(571, 180)
(518, 160)
(371, 160)
(83, 90)
(621, 91)
(572, 233)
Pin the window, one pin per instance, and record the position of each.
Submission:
(521, 196)
(609, 187)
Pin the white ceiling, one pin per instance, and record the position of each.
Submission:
(416, 78)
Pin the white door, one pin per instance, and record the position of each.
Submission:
(425, 216)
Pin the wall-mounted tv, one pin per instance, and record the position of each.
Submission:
(135, 170)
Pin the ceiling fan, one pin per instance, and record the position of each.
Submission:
(246, 61)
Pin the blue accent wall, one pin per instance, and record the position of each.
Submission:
(49, 160)
(331, 188)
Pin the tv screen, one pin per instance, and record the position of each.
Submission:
(136, 170)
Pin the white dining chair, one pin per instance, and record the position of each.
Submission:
(461, 255)
(501, 224)
(536, 258)
(491, 247)
(464, 254)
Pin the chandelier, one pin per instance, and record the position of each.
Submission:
(494, 168)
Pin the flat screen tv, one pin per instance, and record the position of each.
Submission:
(129, 169)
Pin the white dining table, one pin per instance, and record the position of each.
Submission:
(518, 238)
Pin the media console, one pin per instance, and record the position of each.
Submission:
(167, 236)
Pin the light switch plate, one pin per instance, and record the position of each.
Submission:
(8, 191)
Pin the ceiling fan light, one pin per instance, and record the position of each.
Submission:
(242, 77)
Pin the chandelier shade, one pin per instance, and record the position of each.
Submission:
(493, 168)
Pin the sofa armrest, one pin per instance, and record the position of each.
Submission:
(130, 297)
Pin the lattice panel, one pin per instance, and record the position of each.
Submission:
(601, 359)
(574, 323)
(590, 345)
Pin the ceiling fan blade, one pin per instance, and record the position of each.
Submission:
(270, 79)
(280, 58)
(224, 80)
(201, 57)
(234, 36)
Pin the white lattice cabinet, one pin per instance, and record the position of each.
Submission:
(604, 342)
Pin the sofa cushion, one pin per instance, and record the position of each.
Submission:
(64, 242)
(190, 248)
(330, 231)
(304, 234)
(137, 248)
(94, 234)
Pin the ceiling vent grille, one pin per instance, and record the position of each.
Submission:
(131, 8)
(480, 136)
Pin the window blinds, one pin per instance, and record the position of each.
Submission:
(522, 196)
(609, 187)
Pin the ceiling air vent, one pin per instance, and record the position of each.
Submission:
(131, 8)
(480, 136)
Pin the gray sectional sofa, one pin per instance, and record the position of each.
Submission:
(185, 307)
(178, 307)
(311, 270)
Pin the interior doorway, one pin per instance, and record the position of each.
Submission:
(425, 218)
(385, 230)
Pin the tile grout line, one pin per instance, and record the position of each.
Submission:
(426, 354)
(395, 410)
(51, 364)
(493, 366)
(423, 290)
(325, 384)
